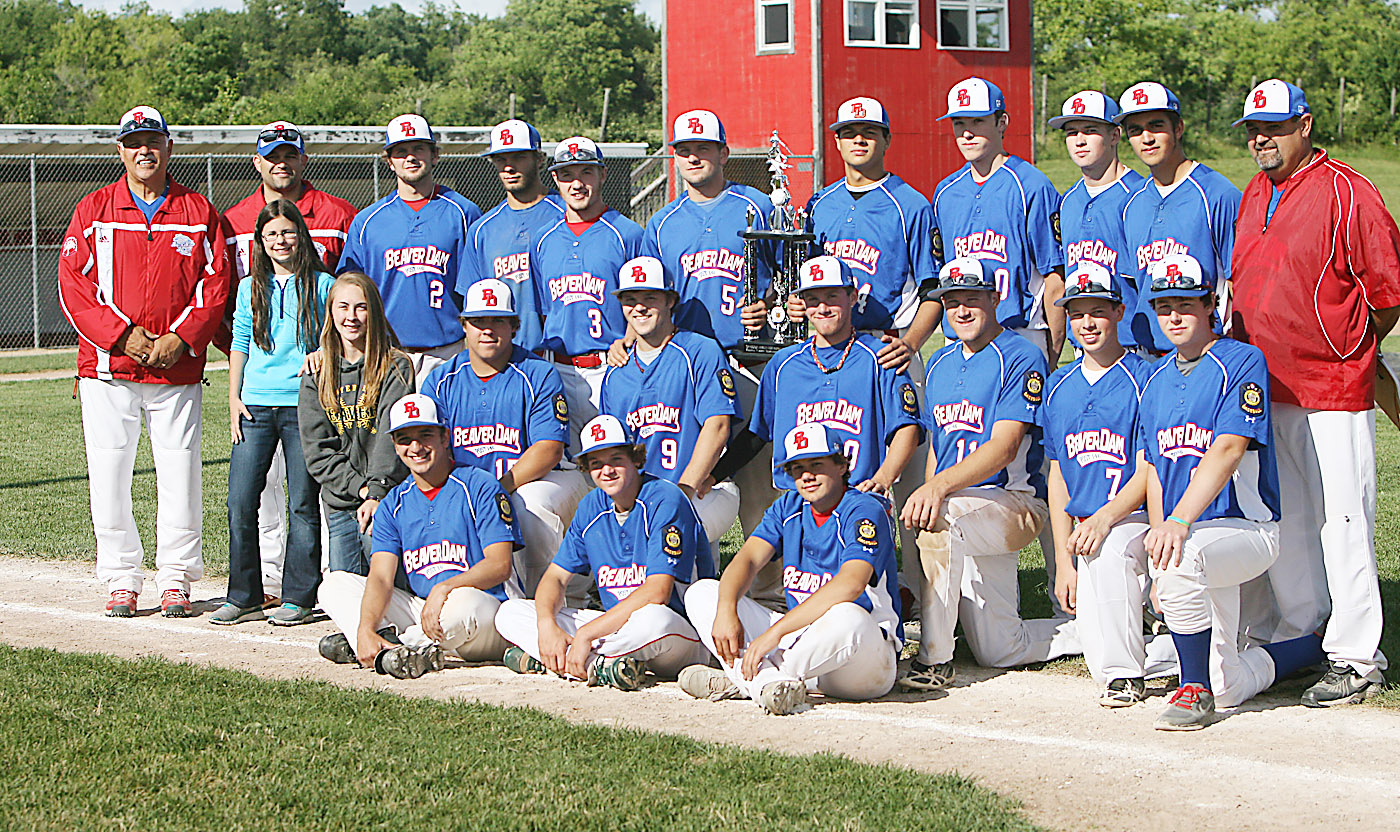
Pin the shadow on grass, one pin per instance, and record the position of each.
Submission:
(139, 472)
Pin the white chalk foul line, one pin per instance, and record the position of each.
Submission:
(155, 623)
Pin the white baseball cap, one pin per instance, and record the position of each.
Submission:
(489, 298)
(510, 136)
(973, 97)
(1273, 100)
(1144, 97)
(408, 128)
(962, 273)
(862, 110)
(576, 150)
(1089, 280)
(278, 133)
(642, 273)
(697, 126)
(413, 410)
(824, 271)
(808, 441)
(1089, 105)
(139, 119)
(603, 432)
(1177, 276)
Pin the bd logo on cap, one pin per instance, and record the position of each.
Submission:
(413, 410)
(974, 97)
(863, 110)
(697, 126)
(641, 273)
(1274, 100)
(408, 128)
(513, 135)
(822, 272)
(1146, 96)
(1088, 105)
(489, 298)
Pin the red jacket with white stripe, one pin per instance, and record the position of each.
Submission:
(169, 275)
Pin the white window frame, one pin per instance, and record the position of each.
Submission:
(762, 48)
(880, 14)
(970, 7)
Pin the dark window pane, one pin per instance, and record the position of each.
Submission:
(860, 21)
(952, 27)
(775, 24)
(897, 28)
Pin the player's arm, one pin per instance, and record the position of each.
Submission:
(549, 599)
(926, 320)
(1089, 535)
(709, 447)
(539, 459)
(744, 448)
(734, 583)
(617, 353)
(847, 585)
(492, 570)
(901, 449)
(379, 586)
(1054, 315)
(922, 508)
(656, 589)
(1061, 526)
(1167, 538)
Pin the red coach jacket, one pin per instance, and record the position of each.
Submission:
(1304, 286)
(170, 275)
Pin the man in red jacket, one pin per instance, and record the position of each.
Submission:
(143, 278)
(1316, 287)
(280, 160)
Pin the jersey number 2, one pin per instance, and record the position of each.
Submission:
(435, 289)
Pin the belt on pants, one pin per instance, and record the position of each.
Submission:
(584, 361)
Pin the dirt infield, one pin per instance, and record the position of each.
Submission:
(1038, 737)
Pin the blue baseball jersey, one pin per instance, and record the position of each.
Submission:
(575, 276)
(1226, 393)
(865, 402)
(666, 402)
(418, 259)
(1197, 218)
(886, 236)
(493, 421)
(701, 248)
(859, 528)
(1091, 229)
(499, 246)
(965, 396)
(662, 535)
(442, 536)
(1090, 429)
(1011, 221)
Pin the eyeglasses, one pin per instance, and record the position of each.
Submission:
(143, 123)
(576, 154)
(274, 236)
(276, 133)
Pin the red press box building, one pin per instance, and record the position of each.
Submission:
(787, 65)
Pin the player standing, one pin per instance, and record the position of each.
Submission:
(983, 496)
(643, 544)
(1091, 211)
(1213, 500)
(506, 412)
(1184, 208)
(143, 277)
(413, 245)
(1312, 227)
(446, 533)
(502, 239)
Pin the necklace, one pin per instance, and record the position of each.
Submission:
(844, 354)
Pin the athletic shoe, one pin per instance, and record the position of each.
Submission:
(705, 682)
(175, 603)
(121, 604)
(621, 672)
(1340, 685)
(337, 648)
(1191, 708)
(1123, 693)
(521, 662)
(234, 614)
(786, 696)
(920, 676)
(404, 662)
(290, 614)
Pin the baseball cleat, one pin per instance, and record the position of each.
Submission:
(121, 604)
(521, 662)
(404, 662)
(234, 614)
(705, 682)
(175, 603)
(337, 648)
(783, 697)
(621, 672)
(1191, 708)
(1123, 693)
(1340, 685)
(290, 614)
(922, 676)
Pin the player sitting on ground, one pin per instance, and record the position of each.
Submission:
(983, 498)
(1090, 422)
(1213, 498)
(447, 534)
(841, 633)
(643, 543)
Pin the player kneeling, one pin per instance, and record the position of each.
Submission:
(643, 543)
(1213, 497)
(447, 534)
(841, 632)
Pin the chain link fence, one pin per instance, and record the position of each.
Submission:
(38, 193)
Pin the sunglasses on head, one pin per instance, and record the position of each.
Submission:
(143, 123)
(583, 154)
(1176, 281)
(962, 278)
(283, 133)
(1087, 287)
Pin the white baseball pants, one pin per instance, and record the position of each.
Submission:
(717, 510)
(970, 563)
(654, 634)
(843, 654)
(1327, 560)
(426, 360)
(583, 388)
(1109, 609)
(544, 508)
(272, 521)
(467, 619)
(112, 414)
(1203, 591)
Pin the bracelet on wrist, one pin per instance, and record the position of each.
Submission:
(1175, 519)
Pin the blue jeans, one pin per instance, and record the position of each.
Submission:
(349, 550)
(247, 474)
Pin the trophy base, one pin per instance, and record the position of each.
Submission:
(754, 352)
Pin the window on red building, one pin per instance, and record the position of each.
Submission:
(972, 24)
(773, 26)
(882, 23)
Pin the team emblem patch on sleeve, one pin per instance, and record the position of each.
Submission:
(865, 533)
(561, 408)
(935, 239)
(726, 382)
(671, 541)
(908, 400)
(1252, 399)
(1055, 226)
(503, 508)
(1033, 387)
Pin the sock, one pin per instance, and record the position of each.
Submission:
(1296, 654)
(1193, 657)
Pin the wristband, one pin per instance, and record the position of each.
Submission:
(1175, 519)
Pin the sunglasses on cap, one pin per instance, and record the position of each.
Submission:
(960, 278)
(1174, 279)
(143, 123)
(1088, 287)
(577, 154)
(280, 133)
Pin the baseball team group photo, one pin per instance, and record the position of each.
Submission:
(1114, 448)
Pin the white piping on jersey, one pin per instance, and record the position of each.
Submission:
(903, 222)
(616, 233)
(1339, 172)
(937, 195)
(1074, 365)
(1224, 374)
(679, 204)
(1025, 204)
(562, 220)
(137, 226)
(501, 206)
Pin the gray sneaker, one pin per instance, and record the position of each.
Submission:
(1123, 693)
(1340, 685)
(1191, 708)
(621, 672)
(920, 676)
(705, 682)
(290, 614)
(234, 614)
(404, 662)
(783, 697)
